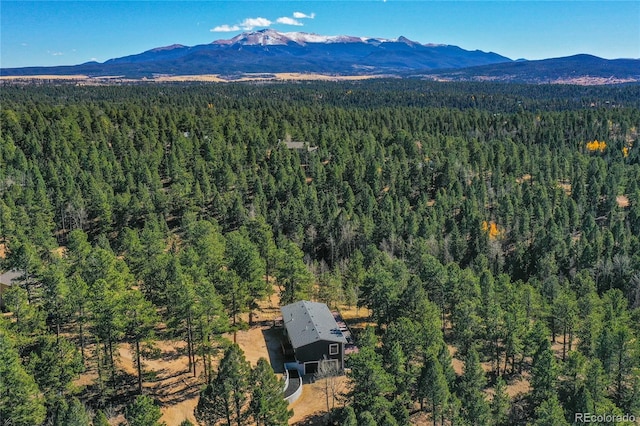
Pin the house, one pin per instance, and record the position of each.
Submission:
(7, 279)
(314, 335)
(300, 146)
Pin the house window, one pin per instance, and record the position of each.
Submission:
(333, 349)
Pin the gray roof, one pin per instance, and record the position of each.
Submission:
(9, 277)
(309, 322)
(300, 145)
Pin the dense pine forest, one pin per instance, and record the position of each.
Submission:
(496, 226)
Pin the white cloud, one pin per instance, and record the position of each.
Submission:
(251, 23)
(300, 15)
(55, 53)
(225, 28)
(289, 21)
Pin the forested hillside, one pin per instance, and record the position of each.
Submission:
(499, 223)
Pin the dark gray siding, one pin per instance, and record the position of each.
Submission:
(319, 350)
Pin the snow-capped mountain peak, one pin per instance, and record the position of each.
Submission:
(269, 37)
(266, 37)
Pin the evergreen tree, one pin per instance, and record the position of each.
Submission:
(100, 419)
(500, 403)
(349, 416)
(75, 414)
(432, 387)
(141, 318)
(543, 378)
(54, 363)
(475, 408)
(367, 419)
(370, 383)
(550, 413)
(143, 412)
(396, 366)
(292, 275)
(183, 309)
(247, 285)
(268, 405)
(21, 403)
(226, 395)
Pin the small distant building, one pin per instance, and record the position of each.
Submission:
(300, 146)
(7, 279)
(314, 335)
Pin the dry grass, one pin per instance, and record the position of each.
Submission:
(212, 78)
(313, 403)
(524, 178)
(252, 343)
(623, 201)
(566, 187)
(593, 81)
(323, 77)
(171, 384)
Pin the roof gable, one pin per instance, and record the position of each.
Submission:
(309, 322)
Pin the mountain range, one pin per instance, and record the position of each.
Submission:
(270, 52)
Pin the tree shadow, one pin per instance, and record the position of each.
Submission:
(273, 337)
(317, 419)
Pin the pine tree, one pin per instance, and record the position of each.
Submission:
(397, 368)
(226, 395)
(367, 419)
(349, 417)
(143, 412)
(210, 322)
(500, 403)
(248, 268)
(262, 236)
(182, 311)
(387, 419)
(27, 319)
(75, 414)
(268, 405)
(141, 318)
(78, 299)
(432, 387)
(370, 382)
(293, 277)
(54, 363)
(543, 378)
(56, 295)
(550, 413)
(100, 419)
(21, 403)
(565, 311)
(475, 408)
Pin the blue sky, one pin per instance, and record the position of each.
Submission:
(55, 32)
